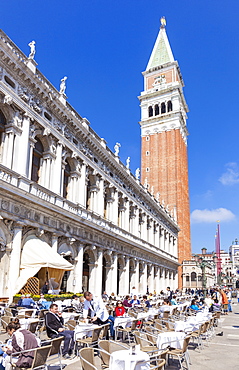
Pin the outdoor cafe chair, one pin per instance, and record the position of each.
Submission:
(5, 320)
(88, 357)
(110, 346)
(40, 357)
(128, 330)
(56, 350)
(89, 341)
(181, 354)
(155, 363)
(71, 324)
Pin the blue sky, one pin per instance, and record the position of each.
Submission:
(104, 45)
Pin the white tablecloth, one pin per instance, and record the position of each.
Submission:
(84, 330)
(123, 321)
(123, 360)
(22, 311)
(69, 316)
(170, 336)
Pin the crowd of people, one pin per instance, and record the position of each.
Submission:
(94, 310)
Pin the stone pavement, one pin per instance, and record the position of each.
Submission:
(222, 352)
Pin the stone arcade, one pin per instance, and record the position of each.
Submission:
(63, 188)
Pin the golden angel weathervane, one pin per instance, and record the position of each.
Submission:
(163, 22)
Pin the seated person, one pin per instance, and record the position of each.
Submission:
(119, 309)
(165, 307)
(216, 307)
(146, 302)
(126, 302)
(173, 300)
(194, 306)
(55, 328)
(135, 301)
(22, 340)
(28, 302)
(77, 303)
(19, 303)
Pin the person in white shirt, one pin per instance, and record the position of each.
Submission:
(208, 300)
(98, 312)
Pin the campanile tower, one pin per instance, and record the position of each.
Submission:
(164, 163)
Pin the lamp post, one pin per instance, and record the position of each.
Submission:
(202, 263)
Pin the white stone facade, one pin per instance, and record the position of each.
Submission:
(60, 182)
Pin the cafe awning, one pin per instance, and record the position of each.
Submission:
(36, 254)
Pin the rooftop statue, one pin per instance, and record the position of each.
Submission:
(116, 148)
(127, 162)
(63, 85)
(32, 49)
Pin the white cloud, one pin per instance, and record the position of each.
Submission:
(211, 215)
(231, 176)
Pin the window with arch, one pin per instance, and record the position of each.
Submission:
(156, 110)
(37, 160)
(147, 138)
(2, 125)
(193, 276)
(170, 106)
(163, 108)
(151, 111)
(67, 173)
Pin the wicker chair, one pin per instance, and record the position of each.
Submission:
(110, 346)
(89, 341)
(128, 330)
(88, 358)
(71, 324)
(40, 357)
(181, 354)
(56, 350)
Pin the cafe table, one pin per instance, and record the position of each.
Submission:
(174, 337)
(125, 360)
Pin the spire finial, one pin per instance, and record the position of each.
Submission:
(163, 22)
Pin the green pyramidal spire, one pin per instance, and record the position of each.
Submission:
(162, 52)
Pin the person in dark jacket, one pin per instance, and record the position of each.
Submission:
(22, 340)
(55, 328)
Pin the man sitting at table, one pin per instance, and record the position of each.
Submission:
(98, 312)
(55, 328)
(28, 302)
(135, 301)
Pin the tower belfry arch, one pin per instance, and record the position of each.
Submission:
(164, 136)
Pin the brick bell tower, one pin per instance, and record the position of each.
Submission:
(164, 163)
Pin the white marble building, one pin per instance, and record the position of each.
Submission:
(62, 188)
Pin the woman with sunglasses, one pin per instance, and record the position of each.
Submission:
(119, 309)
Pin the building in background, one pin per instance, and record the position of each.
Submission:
(70, 211)
(164, 163)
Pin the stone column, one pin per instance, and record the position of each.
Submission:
(126, 276)
(82, 186)
(98, 273)
(126, 215)
(113, 275)
(15, 259)
(22, 148)
(144, 227)
(32, 145)
(151, 280)
(54, 242)
(92, 268)
(57, 173)
(100, 197)
(77, 284)
(121, 279)
(8, 148)
(161, 238)
(135, 277)
(166, 241)
(156, 280)
(156, 236)
(143, 280)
